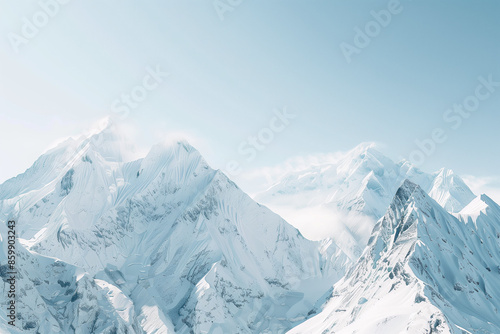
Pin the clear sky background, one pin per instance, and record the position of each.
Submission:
(227, 76)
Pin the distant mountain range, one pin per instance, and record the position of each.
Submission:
(357, 189)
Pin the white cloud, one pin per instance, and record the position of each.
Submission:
(348, 230)
(259, 179)
(264, 177)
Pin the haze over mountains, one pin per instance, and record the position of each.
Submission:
(348, 196)
(165, 244)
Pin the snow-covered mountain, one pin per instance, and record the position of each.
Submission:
(343, 199)
(55, 297)
(162, 244)
(424, 271)
(110, 243)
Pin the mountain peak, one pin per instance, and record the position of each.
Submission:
(406, 190)
(405, 194)
(364, 151)
(450, 191)
(479, 204)
(486, 199)
(111, 139)
(407, 204)
(363, 148)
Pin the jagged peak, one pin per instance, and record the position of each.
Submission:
(172, 146)
(450, 191)
(444, 170)
(444, 174)
(480, 204)
(177, 154)
(405, 191)
(408, 194)
(111, 139)
(364, 157)
(485, 198)
(363, 147)
(364, 151)
(399, 225)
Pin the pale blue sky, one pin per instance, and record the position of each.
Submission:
(227, 77)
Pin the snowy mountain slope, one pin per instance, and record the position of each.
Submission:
(482, 215)
(54, 297)
(45, 184)
(176, 242)
(424, 271)
(348, 196)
